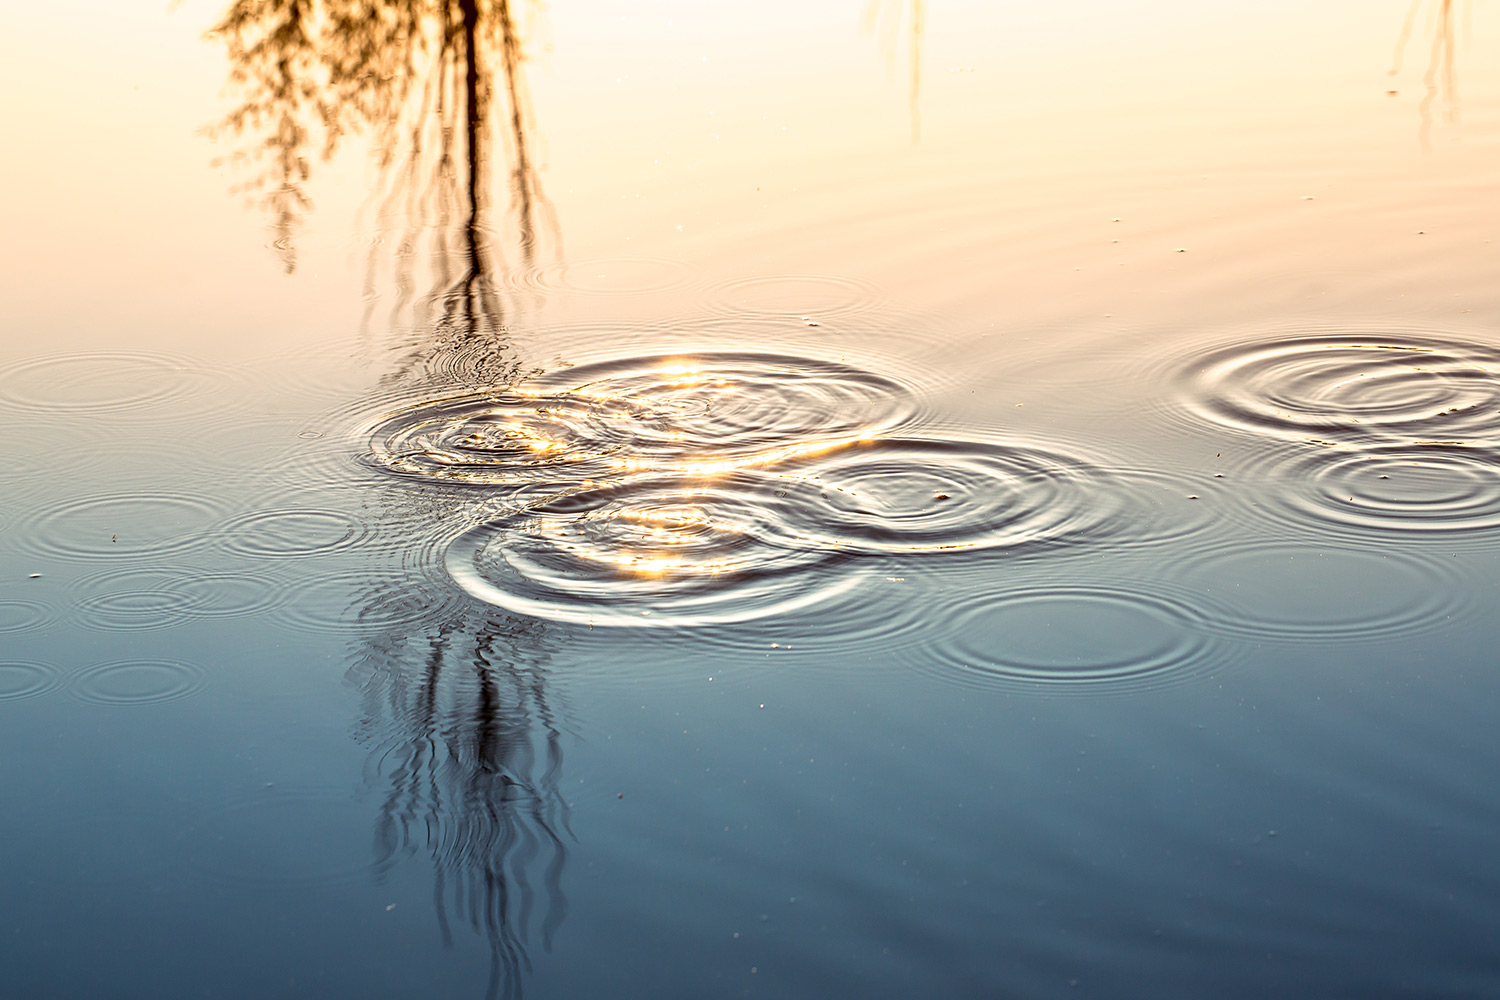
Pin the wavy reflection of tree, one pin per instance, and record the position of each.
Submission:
(466, 740)
(1440, 80)
(427, 81)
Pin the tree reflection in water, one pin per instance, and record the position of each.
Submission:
(428, 82)
(462, 730)
(465, 738)
(1441, 77)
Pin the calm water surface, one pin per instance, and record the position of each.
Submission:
(919, 499)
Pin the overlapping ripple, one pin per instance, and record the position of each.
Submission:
(609, 419)
(1351, 388)
(720, 406)
(506, 438)
(382, 599)
(657, 550)
(924, 496)
(139, 598)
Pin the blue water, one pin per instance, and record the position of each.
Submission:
(608, 627)
(322, 729)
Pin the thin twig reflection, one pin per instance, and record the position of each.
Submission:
(1441, 77)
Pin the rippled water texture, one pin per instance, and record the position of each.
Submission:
(1086, 636)
(719, 488)
(655, 550)
(611, 418)
(1352, 388)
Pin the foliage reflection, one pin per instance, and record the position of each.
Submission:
(429, 82)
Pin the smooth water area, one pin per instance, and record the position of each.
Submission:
(926, 499)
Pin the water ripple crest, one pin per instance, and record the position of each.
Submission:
(1088, 636)
(25, 615)
(134, 599)
(1350, 388)
(717, 406)
(604, 420)
(20, 679)
(293, 532)
(1430, 490)
(139, 682)
(105, 381)
(908, 496)
(656, 550)
(1295, 591)
(121, 525)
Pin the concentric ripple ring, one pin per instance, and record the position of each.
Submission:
(1349, 388)
(663, 550)
(901, 495)
(1087, 636)
(720, 405)
(1409, 492)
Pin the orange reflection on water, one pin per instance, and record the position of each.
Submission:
(756, 460)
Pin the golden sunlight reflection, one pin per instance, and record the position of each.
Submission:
(704, 468)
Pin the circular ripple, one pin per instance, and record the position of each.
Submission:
(798, 295)
(655, 551)
(103, 381)
(702, 412)
(302, 837)
(24, 679)
(227, 594)
(293, 532)
(1404, 491)
(1351, 388)
(25, 615)
(910, 496)
(132, 599)
(614, 275)
(505, 438)
(720, 406)
(380, 600)
(1283, 590)
(139, 682)
(1087, 637)
(122, 525)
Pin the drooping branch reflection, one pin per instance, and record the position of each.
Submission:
(465, 739)
(428, 82)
